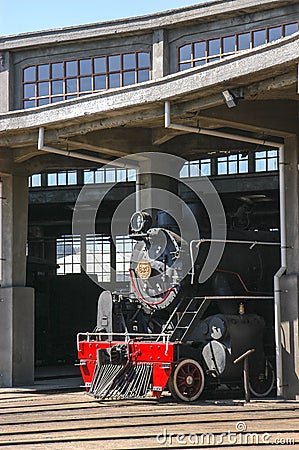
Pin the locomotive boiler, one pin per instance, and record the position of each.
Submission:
(170, 332)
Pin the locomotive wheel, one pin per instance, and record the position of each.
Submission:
(262, 384)
(187, 381)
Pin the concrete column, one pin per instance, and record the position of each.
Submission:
(16, 300)
(290, 282)
(6, 82)
(150, 181)
(160, 66)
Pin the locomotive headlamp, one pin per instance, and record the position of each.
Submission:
(140, 222)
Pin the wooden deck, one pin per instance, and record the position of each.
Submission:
(73, 420)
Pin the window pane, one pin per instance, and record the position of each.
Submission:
(71, 85)
(128, 78)
(43, 72)
(143, 59)
(100, 65)
(205, 167)
(194, 170)
(185, 52)
(259, 38)
(71, 68)
(228, 44)
(243, 166)
(121, 174)
(275, 33)
(57, 70)
(85, 67)
(214, 47)
(57, 87)
(100, 82)
(200, 62)
(36, 180)
(29, 104)
(232, 167)
(62, 178)
(99, 176)
(272, 164)
(260, 165)
(244, 41)
(29, 74)
(43, 101)
(184, 171)
(129, 61)
(85, 84)
(72, 177)
(222, 167)
(114, 80)
(199, 50)
(131, 175)
(110, 175)
(290, 29)
(143, 75)
(114, 63)
(272, 153)
(29, 90)
(43, 89)
(52, 179)
(88, 176)
(57, 99)
(261, 154)
(186, 66)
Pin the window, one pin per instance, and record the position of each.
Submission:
(55, 82)
(197, 53)
(35, 180)
(65, 178)
(266, 161)
(196, 168)
(124, 247)
(108, 175)
(68, 254)
(98, 257)
(232, 164)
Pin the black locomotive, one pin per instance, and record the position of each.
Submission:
(170, 331)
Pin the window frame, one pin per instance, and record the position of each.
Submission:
(194, 62)
(76, 77)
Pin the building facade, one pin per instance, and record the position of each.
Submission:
(214, 83)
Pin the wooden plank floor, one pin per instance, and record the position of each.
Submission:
(73, 420)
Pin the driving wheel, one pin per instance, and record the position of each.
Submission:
(187, 381)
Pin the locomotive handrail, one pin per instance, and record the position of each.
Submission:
(227, 241)
(128, 337)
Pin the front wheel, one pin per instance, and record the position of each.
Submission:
(187, 381)
(262, 384)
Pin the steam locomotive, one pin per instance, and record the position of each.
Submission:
(170, 332)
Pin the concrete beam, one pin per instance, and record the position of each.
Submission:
(162, 135)
(82, 144)
(273, 117)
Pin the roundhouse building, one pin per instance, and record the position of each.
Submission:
(214, 83)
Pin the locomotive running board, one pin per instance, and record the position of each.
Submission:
(113, 381)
